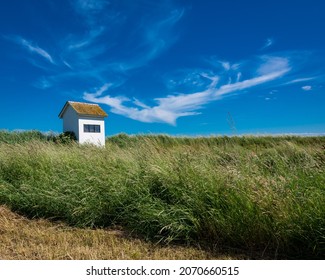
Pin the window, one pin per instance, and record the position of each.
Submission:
(95, 128)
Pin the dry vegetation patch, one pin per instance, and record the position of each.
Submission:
(39, 239)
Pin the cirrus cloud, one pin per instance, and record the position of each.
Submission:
(168, 109)
(306, 88)
(31, 47)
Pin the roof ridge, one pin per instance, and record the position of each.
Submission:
(83, 103)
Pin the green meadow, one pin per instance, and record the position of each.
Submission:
(261, 195)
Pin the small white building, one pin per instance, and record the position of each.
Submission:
(85, 120)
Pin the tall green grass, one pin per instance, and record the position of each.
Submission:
(260, 194)
(21, 136)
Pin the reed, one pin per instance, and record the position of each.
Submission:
(261, 194)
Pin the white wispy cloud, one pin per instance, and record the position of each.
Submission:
(225, 64)
(156, 37)
(31, 47)
(306, 88)
(272, 64)
(300, 80)
(98, 92)
(36, 49)
(43, 83)
(151, 36)
(239, 75)
(269, 42)
(140, 104)
(190, 80)
(89, 6)
(74, 43)
(168, 109)
(250, 82)
(67, 64)
(95, 17)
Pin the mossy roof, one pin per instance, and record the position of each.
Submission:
(81, 108)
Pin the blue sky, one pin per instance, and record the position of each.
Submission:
(171, 66)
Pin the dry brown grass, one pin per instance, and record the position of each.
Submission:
(22, 238)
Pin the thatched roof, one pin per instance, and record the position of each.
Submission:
(86, 109)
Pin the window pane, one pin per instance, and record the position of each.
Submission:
(93, 128)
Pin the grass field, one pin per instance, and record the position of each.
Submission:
(264, 196)
(39, 239)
